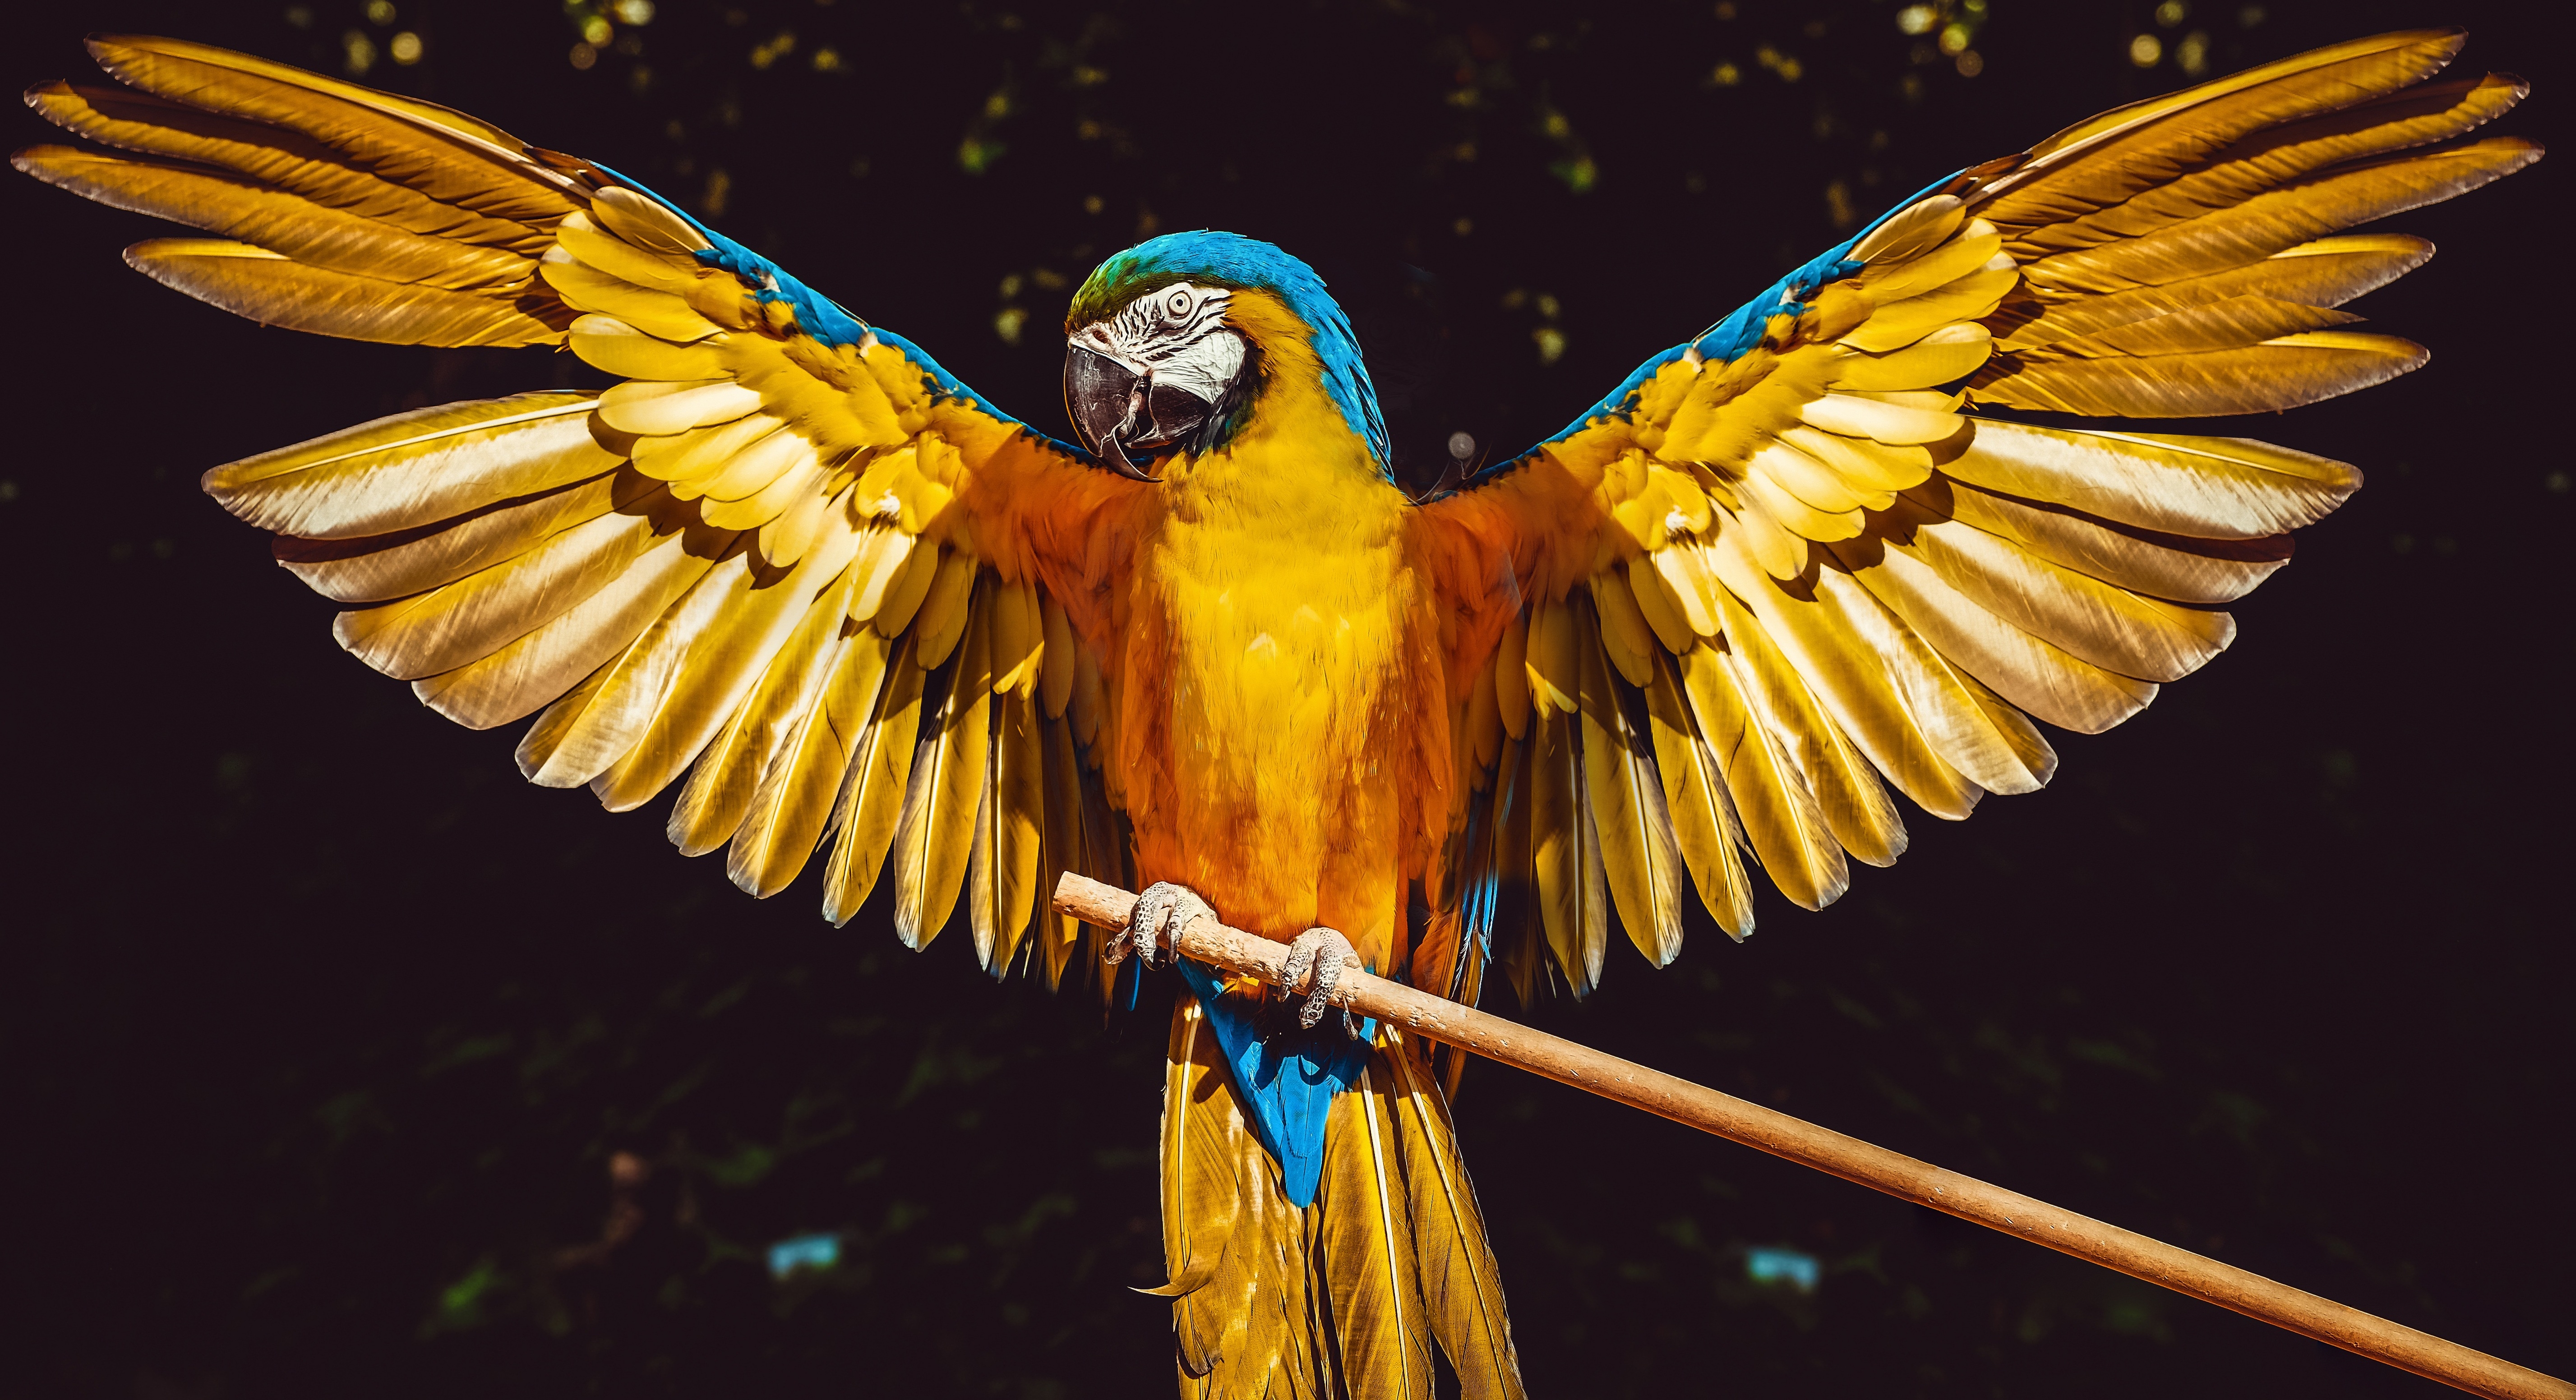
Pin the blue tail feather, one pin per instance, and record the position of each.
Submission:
(1286, 1074)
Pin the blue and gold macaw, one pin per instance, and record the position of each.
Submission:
(794, 566)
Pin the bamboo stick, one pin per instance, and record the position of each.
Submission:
(1850, 1158)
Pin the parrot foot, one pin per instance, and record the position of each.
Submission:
(1154, 928)
(1327, 952)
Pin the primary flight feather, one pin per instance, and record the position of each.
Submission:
(792, 565)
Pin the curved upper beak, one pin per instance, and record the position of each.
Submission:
(1107, 401)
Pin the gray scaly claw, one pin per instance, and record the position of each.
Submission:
(1327, 952)
(1154, 929)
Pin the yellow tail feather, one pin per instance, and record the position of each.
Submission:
(1349, 1296)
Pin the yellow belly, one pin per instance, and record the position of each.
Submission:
(1265, 703)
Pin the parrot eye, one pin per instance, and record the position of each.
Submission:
(1178, 305)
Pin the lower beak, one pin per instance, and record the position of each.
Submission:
(1107, 402)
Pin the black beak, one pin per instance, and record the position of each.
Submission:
(1108, 405)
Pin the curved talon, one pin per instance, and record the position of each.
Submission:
(1161, 912)
(1327, 952)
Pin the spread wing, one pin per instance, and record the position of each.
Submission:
(1799, 560)
(788, 558)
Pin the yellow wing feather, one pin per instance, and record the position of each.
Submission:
(1640, 859)
(348, 212)
(795, 745)
(717, 797)
(1705, 826)
(934, 841)
(525, 675)
(873, 786)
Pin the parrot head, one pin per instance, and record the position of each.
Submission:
(1168, 344)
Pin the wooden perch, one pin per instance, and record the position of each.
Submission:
(1777, 1133)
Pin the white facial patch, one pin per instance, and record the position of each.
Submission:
(1176, 335)
(1203, 367)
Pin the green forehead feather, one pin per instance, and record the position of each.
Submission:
(1115, 283)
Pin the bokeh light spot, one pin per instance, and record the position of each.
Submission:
(1785, 1267)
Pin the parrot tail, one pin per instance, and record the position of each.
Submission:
(1348, 1296)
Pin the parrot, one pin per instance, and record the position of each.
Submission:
(1855, 539)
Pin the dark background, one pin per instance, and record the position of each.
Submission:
(321, 1029)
